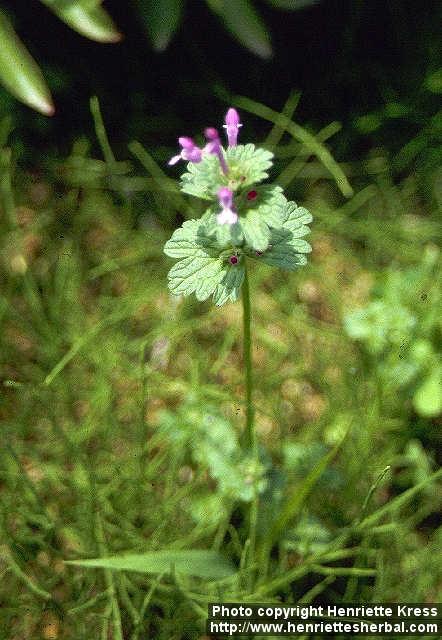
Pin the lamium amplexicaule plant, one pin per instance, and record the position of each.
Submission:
(246, 221)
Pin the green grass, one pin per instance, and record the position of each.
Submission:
(107, 383)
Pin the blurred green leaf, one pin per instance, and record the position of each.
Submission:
(428, 398)
(194, 562)
(161, 19)
(292, 5)
(433, 82)
(241, 19)
(19, 72)
(87, 18)
(368, 123)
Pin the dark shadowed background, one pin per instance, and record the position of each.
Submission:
(348, 58)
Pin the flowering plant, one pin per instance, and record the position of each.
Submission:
(244, 219)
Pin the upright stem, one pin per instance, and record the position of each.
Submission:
(252, 443)
(247, 347)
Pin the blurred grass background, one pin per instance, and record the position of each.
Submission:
(121, 406)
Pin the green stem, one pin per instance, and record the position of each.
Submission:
(251, 440)
(247, 347)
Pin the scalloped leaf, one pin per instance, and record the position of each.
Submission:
(228, 290)
(204, 268)
(248, 164)
(190, 238)
(269, 203)
(255, 231)
(198, 273)
(267, 209)
(203, 179)
(296, 217)
(286, 248)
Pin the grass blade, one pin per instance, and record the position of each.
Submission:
(300, 134)
(288, 110)
(295, 502)
(194, 562)
(399, 501)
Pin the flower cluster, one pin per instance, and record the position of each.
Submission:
(244, 219)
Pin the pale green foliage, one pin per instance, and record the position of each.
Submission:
(202, 270)
(269, 228)
(287, 249)
(212, 443)
(400, 331)
(247, 166)
(203, 179)
(253, 228)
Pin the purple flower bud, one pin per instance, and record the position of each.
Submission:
(233, 260)
(211, 134)
(186, 143)
(232, 126)
(214, 147)
(227, 215)
(225, 197)
(189, 151)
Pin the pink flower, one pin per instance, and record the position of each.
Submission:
(227, 215)
(189, 152)
(232, 126)
(214, 146)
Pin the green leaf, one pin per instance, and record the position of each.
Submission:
(203, 179)
(248, 165)
(228, 290)
(269, 203)
(286, 248)
(88, 19)
(433, 82)
(241, 19)
(255, 230)
(190, 239)
(161, 19)
(428, 398)
(19, 72)
(199, 274)
(266, 209)
(204, 268)
(199, 563)
(296, 218)
(281, 253)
